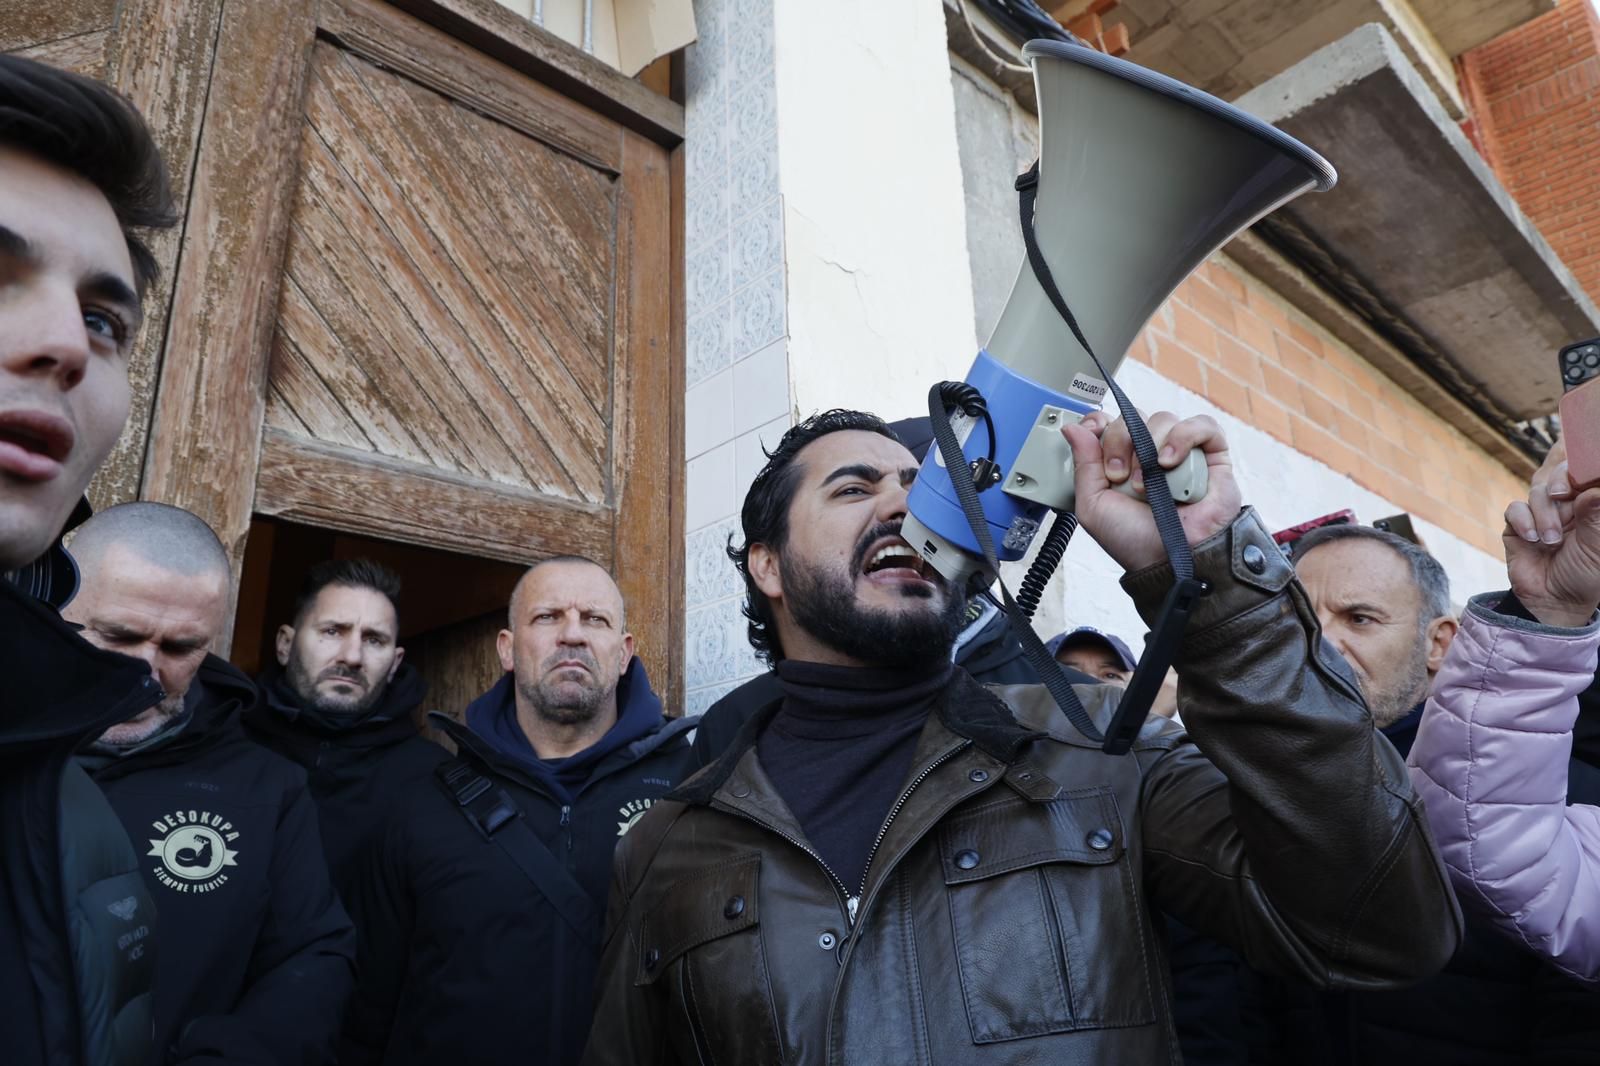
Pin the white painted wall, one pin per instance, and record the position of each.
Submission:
(879, 290)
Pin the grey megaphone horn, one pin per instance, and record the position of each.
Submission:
(1141, 178)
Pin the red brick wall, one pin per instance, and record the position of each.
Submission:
(1535, 99)
(1231, 339)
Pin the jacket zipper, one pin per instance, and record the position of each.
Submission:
(850, 901)
(855, 901)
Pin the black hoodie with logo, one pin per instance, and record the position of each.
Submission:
(357, 769)
(257, 955)
(463, 959)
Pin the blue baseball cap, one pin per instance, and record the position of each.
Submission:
(1088, 633)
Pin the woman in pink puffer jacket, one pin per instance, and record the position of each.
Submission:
(1490, 759)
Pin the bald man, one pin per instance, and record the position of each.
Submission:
(256, 959)
(482, 909)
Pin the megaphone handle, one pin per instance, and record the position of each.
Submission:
(1187, 481)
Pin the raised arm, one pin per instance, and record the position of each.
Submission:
(1490, 759)
(1289, 828)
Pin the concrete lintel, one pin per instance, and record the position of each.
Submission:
(1420, 220)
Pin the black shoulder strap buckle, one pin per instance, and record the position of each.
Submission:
(488, 808)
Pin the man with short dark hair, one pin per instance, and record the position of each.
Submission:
(80, 178)
(482, 904)
(896, 864)
(344, 704)
(1384, 603)
(256, 962)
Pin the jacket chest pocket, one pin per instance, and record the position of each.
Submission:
(703, 944)
(1049, 933)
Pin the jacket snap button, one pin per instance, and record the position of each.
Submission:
(980, 776)
(967, 859)
(1100, 839)
(1255, 560)
(827, 941)
(740, 791)
(652, 959)
(734, 907)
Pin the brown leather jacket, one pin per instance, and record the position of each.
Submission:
(1008, 902)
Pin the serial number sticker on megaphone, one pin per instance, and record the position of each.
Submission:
(1089, 389)
(961, 425)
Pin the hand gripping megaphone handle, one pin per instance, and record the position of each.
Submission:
(1187, 481)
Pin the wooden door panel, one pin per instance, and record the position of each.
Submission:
(405, 200)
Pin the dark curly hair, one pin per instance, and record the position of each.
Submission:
(85, 127)
(765, 517)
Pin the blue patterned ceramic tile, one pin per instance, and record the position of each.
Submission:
(753, 113)
(708, 657)
(707, 275)
(708, 340)
(706, 212)
(753, 174)
(711, 574)
(757, 240)
(750, 54)
(758, 315)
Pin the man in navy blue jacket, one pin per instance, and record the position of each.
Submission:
(483, 902)
(255, 964)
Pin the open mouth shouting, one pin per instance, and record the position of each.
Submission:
(890, 560)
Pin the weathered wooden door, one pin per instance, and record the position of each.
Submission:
(418, 294)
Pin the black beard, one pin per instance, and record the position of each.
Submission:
(823, 603)
(304, 686)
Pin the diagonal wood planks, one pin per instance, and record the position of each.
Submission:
(448, 288)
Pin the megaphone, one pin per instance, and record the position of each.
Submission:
(1140, 178)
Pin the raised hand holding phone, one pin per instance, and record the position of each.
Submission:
(1552, 539)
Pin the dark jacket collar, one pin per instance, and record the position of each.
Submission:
(641, 729)
(1402, 732)
(58, 686)
(966, 708)
(224, 694)
(391, 721)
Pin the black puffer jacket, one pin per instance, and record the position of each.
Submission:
(358, 771)
(257, 958)
(77, 926)
(467, 961)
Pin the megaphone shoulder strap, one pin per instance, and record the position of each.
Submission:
(1155, 485)
(1162, 647)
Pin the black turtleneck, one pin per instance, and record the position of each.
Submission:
(839, 750)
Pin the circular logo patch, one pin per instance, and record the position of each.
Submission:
(194, 851)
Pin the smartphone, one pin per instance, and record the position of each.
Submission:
(1580, 410)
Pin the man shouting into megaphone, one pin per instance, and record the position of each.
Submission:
(894, 864)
